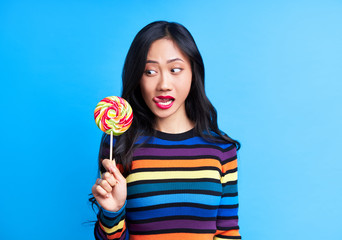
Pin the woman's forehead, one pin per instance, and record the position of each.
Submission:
(165, 50)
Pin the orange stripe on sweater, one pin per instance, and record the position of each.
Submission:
(173, 163)
(173, 236)
(230, 165)
(234, 232)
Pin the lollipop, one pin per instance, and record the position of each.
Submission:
(113, 115)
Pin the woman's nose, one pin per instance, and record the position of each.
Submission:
(164, 82)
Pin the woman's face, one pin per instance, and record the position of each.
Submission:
(166, 81)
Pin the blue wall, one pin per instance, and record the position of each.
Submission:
(273, 71)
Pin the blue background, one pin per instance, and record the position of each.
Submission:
(273, 71)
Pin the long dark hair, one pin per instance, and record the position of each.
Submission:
(198, 107)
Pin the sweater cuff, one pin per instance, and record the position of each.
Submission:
(111, 214)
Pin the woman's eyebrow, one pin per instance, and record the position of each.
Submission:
(168, 61)
(174, 59)
(151, 61)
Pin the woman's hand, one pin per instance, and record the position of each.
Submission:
(110, 191)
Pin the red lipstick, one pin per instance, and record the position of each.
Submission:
(164, 102)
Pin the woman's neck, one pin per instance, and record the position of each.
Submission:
(170, 125)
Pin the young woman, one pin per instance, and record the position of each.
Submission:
(175, 172)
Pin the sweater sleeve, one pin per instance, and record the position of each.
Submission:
(111, 225)
(227, 219)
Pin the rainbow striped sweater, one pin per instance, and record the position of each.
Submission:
(180, 187)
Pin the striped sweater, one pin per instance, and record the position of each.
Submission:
(180, 187)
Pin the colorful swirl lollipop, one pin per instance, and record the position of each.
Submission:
(113, 115)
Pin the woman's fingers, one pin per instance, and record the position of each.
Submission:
(117, 173)
(110, 166)
(110, 190)
(109, 178)
(97, 189)
(105, 185)
(107, 164)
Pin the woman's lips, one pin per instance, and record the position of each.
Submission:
(164, 102)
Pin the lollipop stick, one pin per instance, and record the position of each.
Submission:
(111, 146)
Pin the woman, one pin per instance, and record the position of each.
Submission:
(175, 175)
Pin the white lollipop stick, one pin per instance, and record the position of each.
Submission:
(111, 146)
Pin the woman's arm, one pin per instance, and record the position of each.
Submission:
(227, 219)
(110, 193)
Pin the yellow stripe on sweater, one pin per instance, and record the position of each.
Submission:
(173, 175)
(229, 177)
(115, 228)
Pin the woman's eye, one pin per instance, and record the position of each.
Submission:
(175, 70)
(150, 72)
